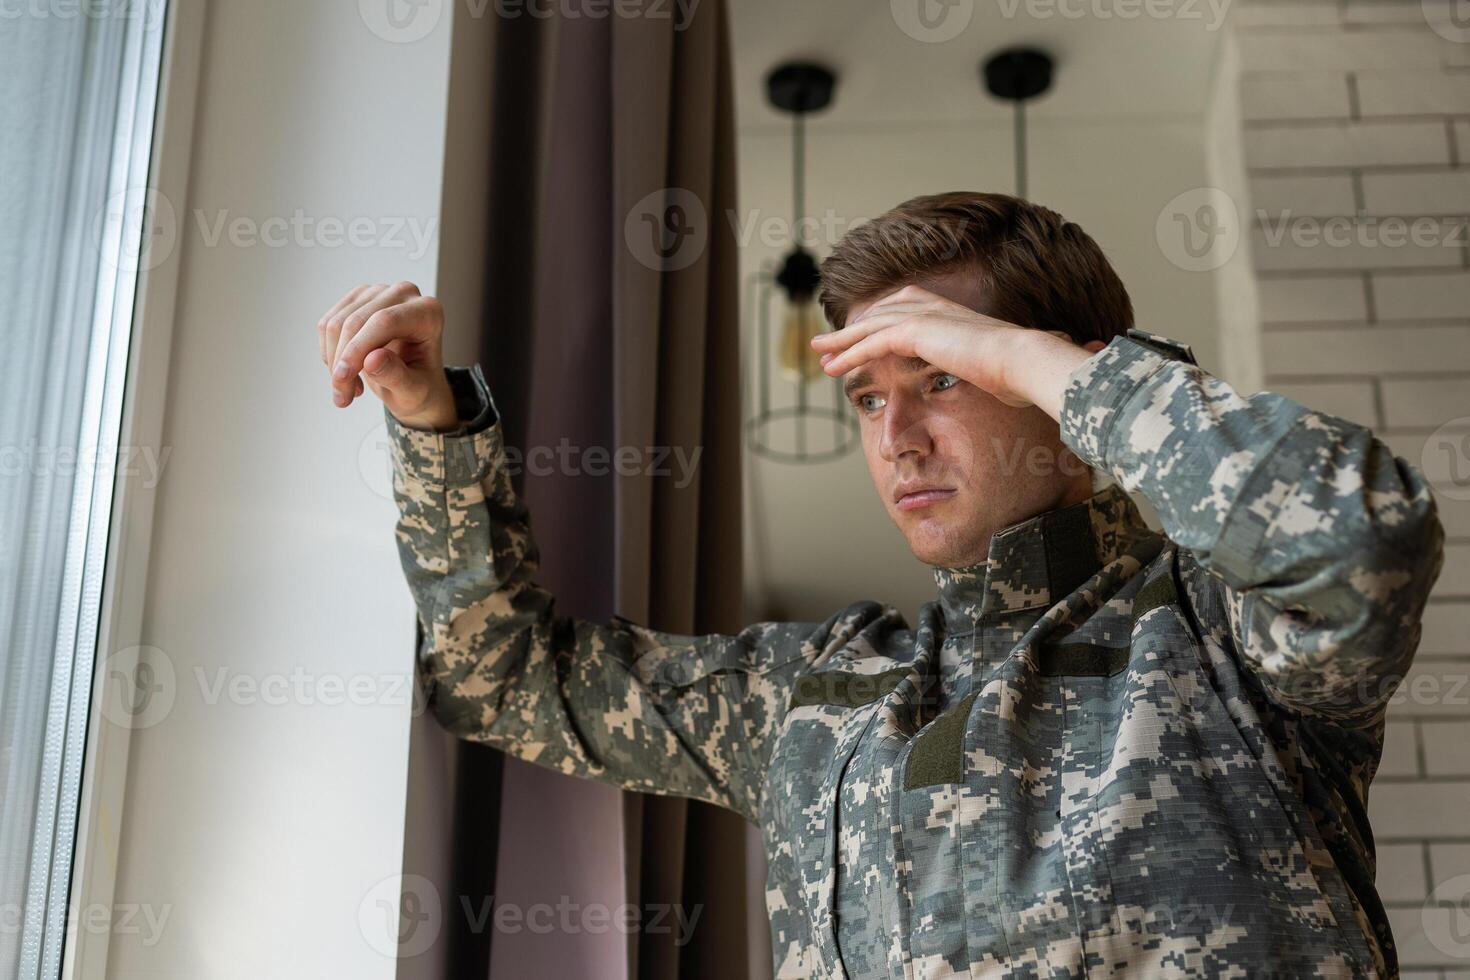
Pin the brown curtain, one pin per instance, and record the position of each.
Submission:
(611, 321)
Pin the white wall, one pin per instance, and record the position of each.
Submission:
(262, 829)
(817, 536)
(1236, 301)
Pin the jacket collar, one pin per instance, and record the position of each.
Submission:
(1039, 561)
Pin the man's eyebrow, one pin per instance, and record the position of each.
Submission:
(863, 377)
(859, 379)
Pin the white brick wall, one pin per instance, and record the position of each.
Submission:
(1356, 110)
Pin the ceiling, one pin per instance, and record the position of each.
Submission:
(1109, 66)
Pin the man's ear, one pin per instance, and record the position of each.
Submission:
(1094, 345)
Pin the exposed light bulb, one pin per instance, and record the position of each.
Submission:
(803, 321)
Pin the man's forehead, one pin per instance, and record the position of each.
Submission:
(964, 286)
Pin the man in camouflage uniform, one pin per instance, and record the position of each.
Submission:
(1103, 750)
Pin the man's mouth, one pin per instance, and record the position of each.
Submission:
(915, 496)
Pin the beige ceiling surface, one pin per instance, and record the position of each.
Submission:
(917, 61)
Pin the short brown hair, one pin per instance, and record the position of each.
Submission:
(1038, 269)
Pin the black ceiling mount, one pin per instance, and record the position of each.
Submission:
(1017, 73)
(800, 86)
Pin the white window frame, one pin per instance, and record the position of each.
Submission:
(106, 568)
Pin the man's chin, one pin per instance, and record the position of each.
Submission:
(935, 543)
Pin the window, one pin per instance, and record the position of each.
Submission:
(80, 82)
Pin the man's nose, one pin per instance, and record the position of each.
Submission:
(905, 431)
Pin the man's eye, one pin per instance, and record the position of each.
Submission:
(870, 403)
(944, 381)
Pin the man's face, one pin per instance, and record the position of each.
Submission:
(951, 463)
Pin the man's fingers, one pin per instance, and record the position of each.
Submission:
(892, 304)
(911, 298)
(382, 367)
(415, 320)
(355, 320)
(392, 381)
(330, 327)
(331, 334)
(351, 299)
(383, 337)
(837, 341)
(354, 317)
(892, 340)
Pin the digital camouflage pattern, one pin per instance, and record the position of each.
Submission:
(1104, 751)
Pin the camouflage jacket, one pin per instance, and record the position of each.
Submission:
(1103, 751)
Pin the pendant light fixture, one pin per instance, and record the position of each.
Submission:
(1018, 74)
(799, 89)
(811, 428)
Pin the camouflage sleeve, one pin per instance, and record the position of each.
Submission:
(1326, 542)
(646, 710)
